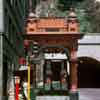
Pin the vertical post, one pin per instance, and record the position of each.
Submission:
(73, 73)
(17, 81)
(37, 74)
(28, 77)
(17, 91)
(68, 68)
(33, 72)
(48, 76)
(73, 76)
(41, 66)
(1, 67)
(28, 82)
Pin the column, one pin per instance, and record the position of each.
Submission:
(73, 70)
(48, 74)
(38, 75)
(17, 81)
(73, 76)
(41, 70)
(1, 67)
(34, 75)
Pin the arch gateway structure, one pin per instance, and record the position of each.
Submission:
(56, 36)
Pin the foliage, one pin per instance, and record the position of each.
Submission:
(92, 10)
(66, 4)
(88, 12)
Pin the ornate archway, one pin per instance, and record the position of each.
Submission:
(59, 33)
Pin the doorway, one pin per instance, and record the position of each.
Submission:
(56, 70)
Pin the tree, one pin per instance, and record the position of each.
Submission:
(92, 10)
(66, 4)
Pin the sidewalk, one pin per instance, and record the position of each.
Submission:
(89, 94)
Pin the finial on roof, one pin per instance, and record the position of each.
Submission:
(32, 15)
(72, 12)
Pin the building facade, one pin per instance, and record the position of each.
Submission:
(12, 15)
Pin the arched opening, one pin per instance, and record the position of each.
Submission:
(88, 73)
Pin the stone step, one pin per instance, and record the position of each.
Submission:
(52, 98)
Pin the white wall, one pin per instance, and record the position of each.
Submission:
(92, 49)
(89, 51)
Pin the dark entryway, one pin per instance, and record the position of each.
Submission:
(88, 73)
(56, 70)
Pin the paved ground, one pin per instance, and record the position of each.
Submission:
(52, 98)
(89, 94)
(84, 94)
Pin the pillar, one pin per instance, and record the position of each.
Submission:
(73, 76)
(17, 81)
(1, 67)
(38, 74)
(34, 75)
(41, 70)
(48, 74)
